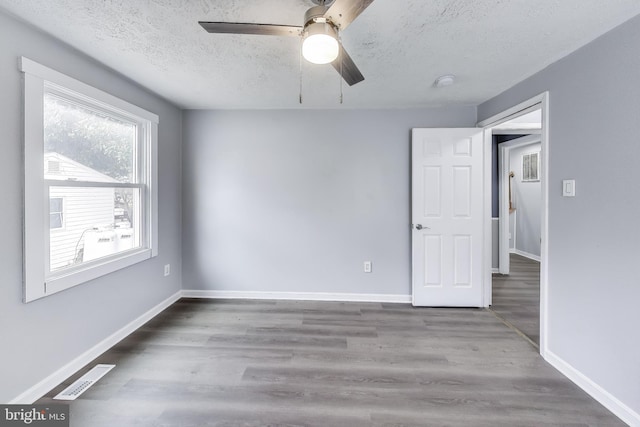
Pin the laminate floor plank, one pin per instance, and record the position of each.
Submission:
(497, 419)
(376, 359)
(334, 331)
(224, 417)
(359, 322)
(293, 363)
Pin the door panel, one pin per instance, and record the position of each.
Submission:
(447, 198)
(432, 195)
(432, 261)
(461, 191)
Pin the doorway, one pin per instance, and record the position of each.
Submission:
(517, 194)
(517, 291)
(516, 287)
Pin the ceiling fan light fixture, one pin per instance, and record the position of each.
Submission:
(320, 43)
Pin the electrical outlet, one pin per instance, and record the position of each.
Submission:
(367, 266)
(167, 269)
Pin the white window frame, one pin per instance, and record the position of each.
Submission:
(38, 281)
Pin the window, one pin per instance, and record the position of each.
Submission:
(92, 156)
(530, 167)
(56, 218)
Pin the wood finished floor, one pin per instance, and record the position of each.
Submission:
(516, 297)
(290, 363)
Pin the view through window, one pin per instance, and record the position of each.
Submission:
(97, 153)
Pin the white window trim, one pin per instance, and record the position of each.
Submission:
(36, 223)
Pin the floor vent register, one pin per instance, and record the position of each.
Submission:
(83, 383)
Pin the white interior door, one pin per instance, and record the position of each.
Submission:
(447, 207)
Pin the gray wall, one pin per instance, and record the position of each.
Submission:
(512, 230)
(495, 191)
(527, 198)
(495, 240)
(295, 201)
(593, 243)
(40, 337)
(495, 171)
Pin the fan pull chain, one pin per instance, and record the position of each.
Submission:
(341, 79)
(300, 96)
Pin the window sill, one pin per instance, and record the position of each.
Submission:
(91, 270)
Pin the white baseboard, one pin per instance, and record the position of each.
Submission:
(301, 296)
(525, 254)
(605, 398)
(40, 389)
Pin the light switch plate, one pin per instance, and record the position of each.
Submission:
(367, 266)
(569, 188)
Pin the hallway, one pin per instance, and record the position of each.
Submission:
(516, 297)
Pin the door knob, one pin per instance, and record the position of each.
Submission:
(421, 227)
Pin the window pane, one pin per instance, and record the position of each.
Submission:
(98, 222)
(83, 145)
(55, 213)
(55, 204)
(55, 221)
(526, 171)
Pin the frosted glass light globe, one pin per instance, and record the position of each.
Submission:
(320, 48)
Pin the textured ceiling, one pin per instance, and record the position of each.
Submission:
(400, 46)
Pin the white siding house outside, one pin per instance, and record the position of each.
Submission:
(86, 228)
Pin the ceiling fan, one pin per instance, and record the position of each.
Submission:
(319, 32)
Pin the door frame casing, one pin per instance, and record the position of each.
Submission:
(539, 101)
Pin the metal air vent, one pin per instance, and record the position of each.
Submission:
(84, 382)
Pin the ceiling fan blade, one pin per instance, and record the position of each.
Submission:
(258, 29)
(343, 12)
(349, 70)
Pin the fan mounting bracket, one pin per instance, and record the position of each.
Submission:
(322, 2)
